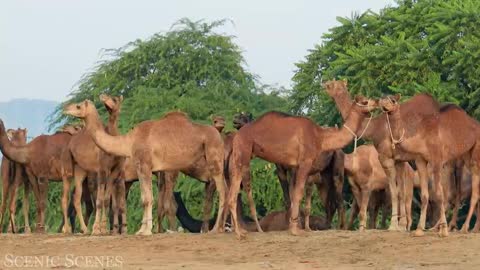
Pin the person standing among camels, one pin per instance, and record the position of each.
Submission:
(413, 111)
(172, 143)
(291, 141)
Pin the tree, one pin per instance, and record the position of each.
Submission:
(417, 46)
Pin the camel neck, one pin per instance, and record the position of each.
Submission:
(344, 102)
(112, 126)
(334, 138)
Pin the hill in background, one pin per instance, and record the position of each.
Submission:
(27, 113)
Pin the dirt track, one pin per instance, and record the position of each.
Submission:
(323, 250)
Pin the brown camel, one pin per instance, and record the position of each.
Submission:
(13, 175)
(366, 175)
(156, 145)
(440, 139)
(290, 141)
(85, 157)
(72, 129)
(42, 160)
(419, 107)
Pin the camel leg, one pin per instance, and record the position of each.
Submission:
(401, 195)
(79, 176)
(308, 205)
(423, 173)
(300, 179)
(107, 199)
(97, 226)
(160, 200)
(5, 167)
(282, 177)
(338, 179)
(388, 165)
(170, 207)
(26, 207)
(144, 172)
(65, 194)
(476, 228)
(251, 203)
(43, 190)
(373, 213)
(473, 198)
(88, 195)
(365, 195)
(437, 170)
(207, 205)
(357, 197)
(458, 176)
(408, 202)
(240, 166)
(13, 197)
(122, 204)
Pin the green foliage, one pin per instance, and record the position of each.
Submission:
(418, 46)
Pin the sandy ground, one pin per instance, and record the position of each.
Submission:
(317, 250)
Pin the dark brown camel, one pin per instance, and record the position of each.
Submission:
(440, 139)
(85, 157)
(156, 145)
(42, 160)
(413, 111)
(273, 221)
(13, 176)
(290, 141)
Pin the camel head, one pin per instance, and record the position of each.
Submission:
(218, 122)
(335, 88)
(389, 103)
(18, 136)
(364, 105)
(72, 129)
(241, 119)
(112, 103)
(80, 110)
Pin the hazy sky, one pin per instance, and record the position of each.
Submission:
(46, 45)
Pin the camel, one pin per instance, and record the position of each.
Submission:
(442, 138)
(419, 107)
(42, 160)
(72, 129)
(85, 157)
(291, 141)
(366, 175)
(156, 145)
(274, 221)
(13, 175)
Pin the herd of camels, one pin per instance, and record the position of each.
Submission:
(438, 140)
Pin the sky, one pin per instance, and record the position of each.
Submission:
(46, 45)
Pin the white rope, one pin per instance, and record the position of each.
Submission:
(394, 141)
(355, 137)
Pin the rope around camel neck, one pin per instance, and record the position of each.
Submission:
(394, 141)
(355, 137)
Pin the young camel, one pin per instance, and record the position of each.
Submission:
(290, 141)
(42, 160)
(13, 175)
(85, 157)
(366, 175)
(440, 139)
(419, 107)
(156, 145)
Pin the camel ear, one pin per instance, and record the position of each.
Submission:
(345, 83)
(86, 103)
(397, 97)
(10, 133)
(121, 98)
(25, 130)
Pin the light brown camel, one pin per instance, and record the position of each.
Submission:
(42, 160)
(13, 176)
(72, 129)
(157, 145)
(290, 141)
(413, 111)
(366, 175)
(86, 157)
(440, 139)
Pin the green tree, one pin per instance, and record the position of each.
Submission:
(416, 46)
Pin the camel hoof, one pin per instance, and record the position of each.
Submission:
(66, 229)
(144, 233)
(443, 232)
(297, 232)
(464, 230)
(96, 230)
(27, 230)
(241, 236)
(418, 233)
(361, 229)
(393, 228)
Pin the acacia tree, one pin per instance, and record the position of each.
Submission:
(416, 46)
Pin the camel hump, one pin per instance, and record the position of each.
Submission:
(176, 114)
(449, 107)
